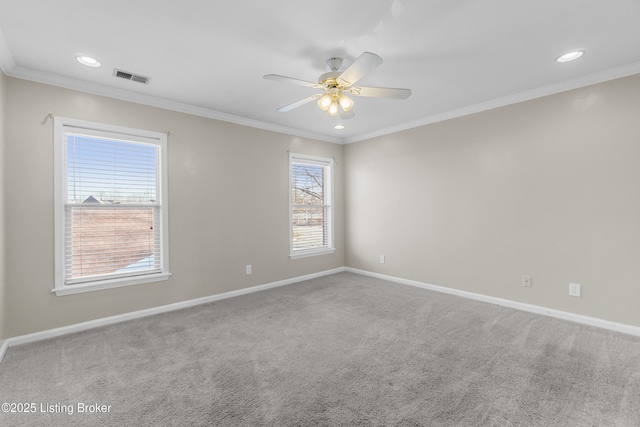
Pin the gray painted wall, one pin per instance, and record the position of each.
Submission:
(548, 188)
(3, 305)
(228, 207)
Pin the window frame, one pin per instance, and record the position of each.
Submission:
(62, 126)
(329, 164)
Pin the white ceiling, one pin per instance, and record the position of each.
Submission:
(208, 57)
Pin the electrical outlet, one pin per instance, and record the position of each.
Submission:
(526, 281)
(381, 259)
(248, 269)
(575, 289)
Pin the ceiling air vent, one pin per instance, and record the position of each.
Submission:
(130, 76)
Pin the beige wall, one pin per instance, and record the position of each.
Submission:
(228, 196)
(3, 305)
(548, 188)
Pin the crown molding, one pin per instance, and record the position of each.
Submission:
(600, 77)
(6, 59)
(10, 69)
(125, 95)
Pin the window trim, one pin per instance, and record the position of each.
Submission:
(325, 162)
(61, 126)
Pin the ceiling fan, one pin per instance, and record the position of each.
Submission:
(336, 85)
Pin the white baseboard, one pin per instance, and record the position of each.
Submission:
(3, 349)
(585, 320)
(79, 327)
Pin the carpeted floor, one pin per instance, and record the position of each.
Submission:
(343, 350)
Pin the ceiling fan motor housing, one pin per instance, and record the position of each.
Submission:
(329, 78)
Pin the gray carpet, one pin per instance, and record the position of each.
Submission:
(343, 350)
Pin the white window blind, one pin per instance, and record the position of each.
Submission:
(112, 206)
(311, 205)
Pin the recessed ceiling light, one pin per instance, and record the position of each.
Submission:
(570, 56)
(88, 61)
(338, 127)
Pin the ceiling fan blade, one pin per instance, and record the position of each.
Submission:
(284, 79)
(380, 92)
(299, 103)
(362, 66)
(348, 115)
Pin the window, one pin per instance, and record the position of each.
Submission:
(110, 214)
(311, 214)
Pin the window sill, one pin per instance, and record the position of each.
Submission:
(306, 254)
(110, 284)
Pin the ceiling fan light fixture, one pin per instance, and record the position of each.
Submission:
(333, 109)
(345, 102)
(325, 101)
